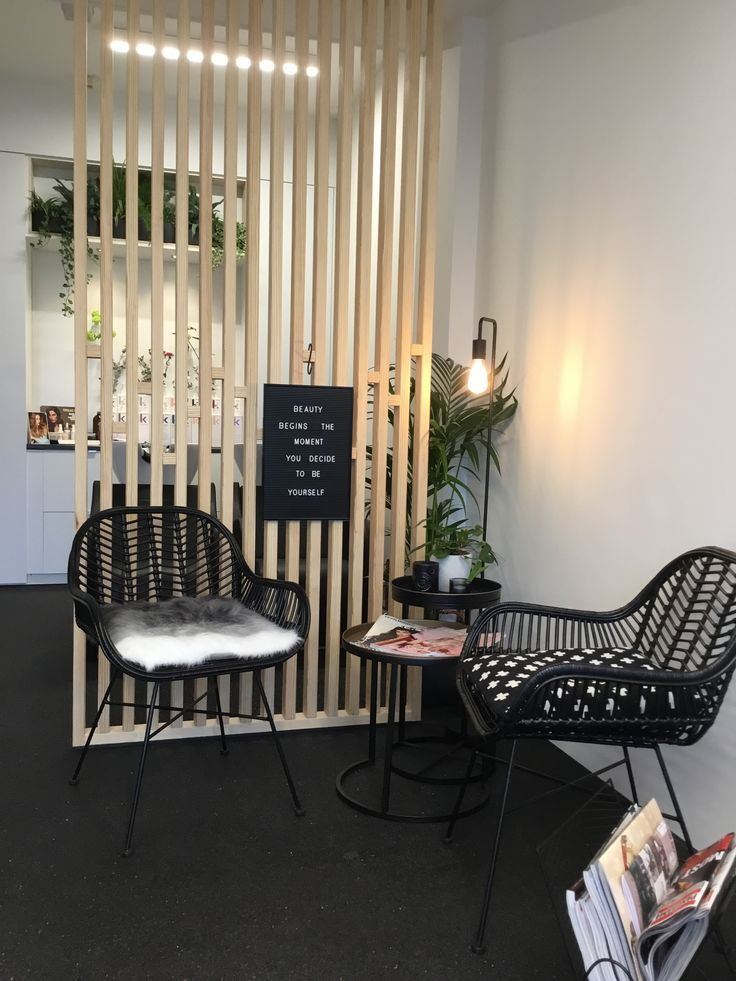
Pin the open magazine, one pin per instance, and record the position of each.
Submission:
(636, 905)
(393, 636)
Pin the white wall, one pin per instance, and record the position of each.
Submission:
(609, 265)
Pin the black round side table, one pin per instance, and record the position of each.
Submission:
(479, 594)
(351, 641)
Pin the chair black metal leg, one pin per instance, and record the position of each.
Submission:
(224, 750)
(630, 771)
(459, 799)
(298, 809)
(673, 798)
(75, 776)
(141, 764)
(478, 946)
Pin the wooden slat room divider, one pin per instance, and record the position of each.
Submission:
(315, 123)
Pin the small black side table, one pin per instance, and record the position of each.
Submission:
(399, 663)
(479, 594)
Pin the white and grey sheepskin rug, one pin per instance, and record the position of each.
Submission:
(188, 630)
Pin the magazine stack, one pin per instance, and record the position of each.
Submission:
(636, 905)
(414, 639)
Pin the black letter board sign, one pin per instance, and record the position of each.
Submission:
(307, 452)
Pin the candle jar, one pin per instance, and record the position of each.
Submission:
(425, 576)
(459, 585)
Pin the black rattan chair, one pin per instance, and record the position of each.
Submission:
(146, 555)
(653, 672)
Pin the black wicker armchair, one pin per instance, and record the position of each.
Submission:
(149, 561)
(653, 672)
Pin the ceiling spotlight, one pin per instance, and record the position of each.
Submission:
(266, 65)
(219, 58)
(170, 53)
(145, 50)
(195, 56)
(119, 45)
(243, 61)
(312, 71)
(290, 68)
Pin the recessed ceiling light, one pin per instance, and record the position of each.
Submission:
(170, 53)
(145, 50)
(119, 45)
(266, 65)
(243, 61)
(312, 71)
(219, 58)
(195, 56)
(290, 68)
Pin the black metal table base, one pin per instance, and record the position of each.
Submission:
(383, 809)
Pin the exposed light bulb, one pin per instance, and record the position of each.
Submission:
(312, 71)
(145, 50)
(119, 45)
(266, 65)
(290, 68)
(219, 58)
(243, 61)
(478, 377)
(170, 52)
(195, 56)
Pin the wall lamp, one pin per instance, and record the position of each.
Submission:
(481, 379)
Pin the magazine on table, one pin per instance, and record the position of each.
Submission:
(394, 636)
(637, 905)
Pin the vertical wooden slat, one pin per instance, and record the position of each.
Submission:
(131, 300)
(106, 307)
(252, 303)
(181, 396)
(361, 334)
(298, 280)
(383, 303)
(230, 218)
(425, 287)
(275, 264)
(206, 111)
(80, 328)
(340, 334)
(404, 326)
(157, 257)
(319, 321)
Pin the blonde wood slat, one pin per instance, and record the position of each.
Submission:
(230, 268)
(339, 336)
(206, 110)
(182, 262)
(405, 290)
(80, 328)
(275, 258)
(252, 304)
(425, 288)
(298, 282)
(361, 333)
(157, 257)
(311, 648)
(383, 303)
(321, 191)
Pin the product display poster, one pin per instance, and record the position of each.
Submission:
(307, 452)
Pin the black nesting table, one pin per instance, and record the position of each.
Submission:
(397, 684)
(479, 594)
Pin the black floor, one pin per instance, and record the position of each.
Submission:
(225, 881)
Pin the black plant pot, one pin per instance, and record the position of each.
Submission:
(93, 226)
(118, 228)
(169, 231)
(194, 234)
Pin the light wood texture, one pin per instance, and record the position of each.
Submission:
(340, 334)
(157, 258)
(361, 334)
(384, 287)
(80, 328)
(182, 259)
(206, 111)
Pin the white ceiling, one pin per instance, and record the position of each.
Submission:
(37, 42)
